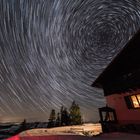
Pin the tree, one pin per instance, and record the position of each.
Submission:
(58, 120)
(52, 118)
(64, 116)
(75, 114)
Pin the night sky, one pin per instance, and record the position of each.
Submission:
(52, 50)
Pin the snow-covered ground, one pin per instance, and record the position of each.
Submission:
(85, 129)
(88, 132)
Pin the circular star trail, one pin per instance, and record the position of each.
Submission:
(52, 50)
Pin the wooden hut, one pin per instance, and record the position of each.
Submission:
(121, 83)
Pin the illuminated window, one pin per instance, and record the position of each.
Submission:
(133, 101)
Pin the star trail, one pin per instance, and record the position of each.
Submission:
(52, 50)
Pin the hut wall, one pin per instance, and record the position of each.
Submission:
(124, 115)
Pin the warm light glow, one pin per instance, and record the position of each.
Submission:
(136, 100)
(14, 138)
(138, 96)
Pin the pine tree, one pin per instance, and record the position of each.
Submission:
(66, 117)
(62, 115)
(75, 114)
(58, 120)
(52, 118)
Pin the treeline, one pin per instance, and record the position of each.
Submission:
(65, 117)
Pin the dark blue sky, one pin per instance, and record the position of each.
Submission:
(52, 50)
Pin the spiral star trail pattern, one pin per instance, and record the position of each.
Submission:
(52, 50)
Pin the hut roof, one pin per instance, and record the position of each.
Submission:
(123, 73)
